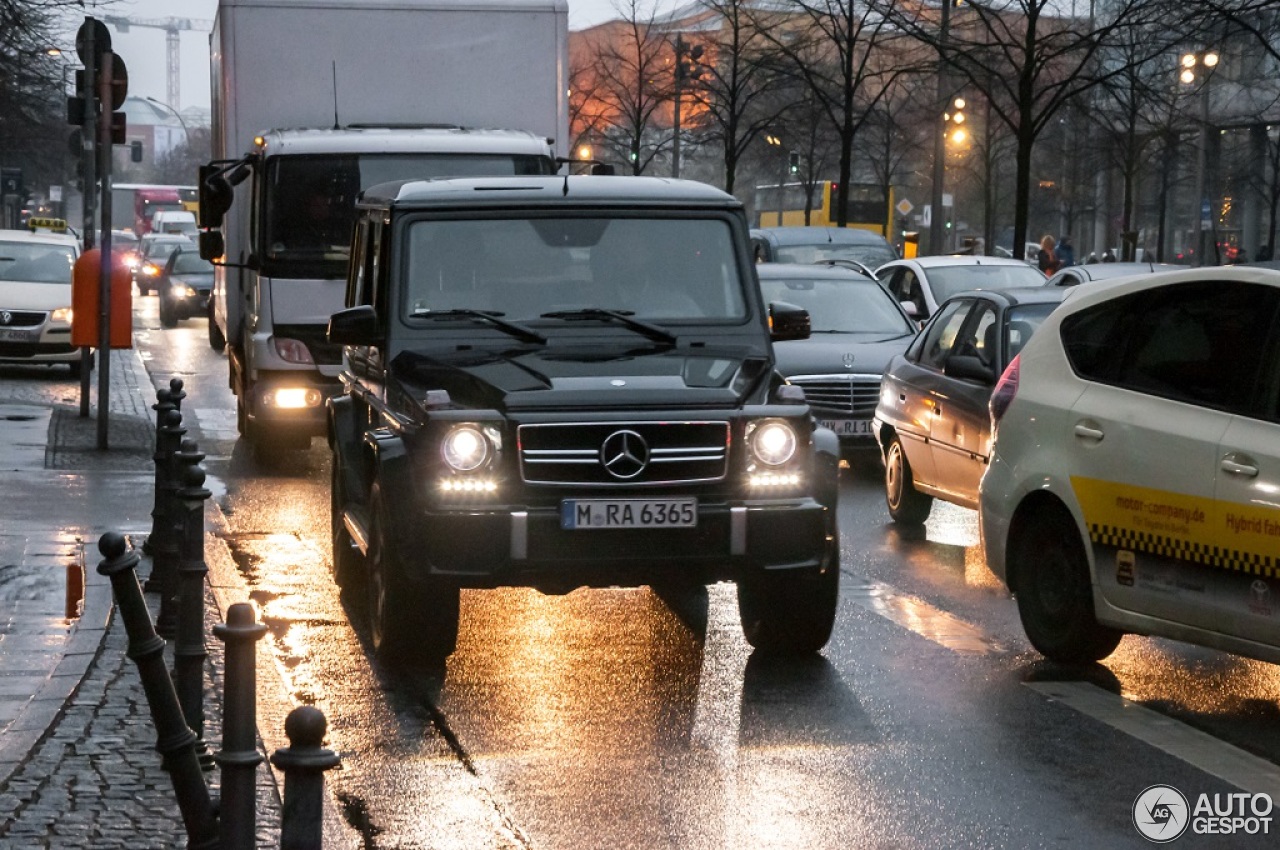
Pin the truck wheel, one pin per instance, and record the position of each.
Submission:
(1055, 600)
(217, 341)
(907, 505)
(346, 557)
(791, 612)
(406, 624)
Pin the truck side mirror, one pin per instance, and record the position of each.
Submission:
(787, 322)
(212, 245)
(354, 326)
(215, 196)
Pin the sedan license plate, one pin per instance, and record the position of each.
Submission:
(847, 427)
(628, 513)
(19, 335)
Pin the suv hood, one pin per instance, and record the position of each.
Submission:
(567, 378)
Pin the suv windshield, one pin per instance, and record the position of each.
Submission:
(521, 268)
(310, 206)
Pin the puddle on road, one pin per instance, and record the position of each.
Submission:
(922, 618)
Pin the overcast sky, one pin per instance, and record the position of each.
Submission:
(145, 53)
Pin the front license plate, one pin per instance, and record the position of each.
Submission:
(847, 427)
(628, 513)
(19, 335)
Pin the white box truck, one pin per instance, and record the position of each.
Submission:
(316, 100)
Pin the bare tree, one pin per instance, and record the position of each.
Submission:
(1029, 61)
(833, 47)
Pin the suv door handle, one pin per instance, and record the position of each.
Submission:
(1089, 432)
(1239, 464)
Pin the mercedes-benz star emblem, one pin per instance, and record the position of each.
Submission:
(848, 360)
(624, 454)
(6, 317)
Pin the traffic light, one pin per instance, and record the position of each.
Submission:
(11, 182)
(635, 151)
(793, 162)
(687, 61)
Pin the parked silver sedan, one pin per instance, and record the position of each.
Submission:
(1076, 275)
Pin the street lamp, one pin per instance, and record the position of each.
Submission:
(1197, 69)
(186, 134)
(776, 141)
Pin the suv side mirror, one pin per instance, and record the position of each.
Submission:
(354, 326)
(970, 367)
(787, 322)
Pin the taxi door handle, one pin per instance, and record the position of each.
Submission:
(1237, 464)
(1088, 432)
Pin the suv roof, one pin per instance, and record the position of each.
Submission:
(811, 235)
(566, 191)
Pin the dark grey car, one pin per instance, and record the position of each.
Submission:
(856, 327)
(932, 422)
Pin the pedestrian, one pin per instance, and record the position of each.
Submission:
(1048, 259)
(1108, 256)
(1065, 251)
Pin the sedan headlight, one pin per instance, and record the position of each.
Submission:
(466, 448)
(772, 441)
(62, 315)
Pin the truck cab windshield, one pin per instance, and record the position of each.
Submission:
(310, 201)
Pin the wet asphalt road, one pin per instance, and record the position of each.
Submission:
(617, 719)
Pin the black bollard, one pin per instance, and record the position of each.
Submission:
(162, 407)
(166, 400)
(304, 762)
(166, 547)
(189, 651)
(239, 757)
(175, 742)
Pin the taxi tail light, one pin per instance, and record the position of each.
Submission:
(1006, 389)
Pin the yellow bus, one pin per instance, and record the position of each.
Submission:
(868, 208)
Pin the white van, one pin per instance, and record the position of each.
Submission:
(174, 221)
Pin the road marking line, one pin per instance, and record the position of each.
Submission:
(1199, 749)
(924, 619)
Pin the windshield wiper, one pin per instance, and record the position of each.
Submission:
(622, 317)
(490, 316)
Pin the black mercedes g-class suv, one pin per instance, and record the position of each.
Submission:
(558, 382)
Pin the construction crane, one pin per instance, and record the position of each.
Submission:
(172, 27)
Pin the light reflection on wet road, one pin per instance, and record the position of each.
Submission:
(616, 718)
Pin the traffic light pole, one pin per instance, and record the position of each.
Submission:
(104, 290)
(940, 137)
(89, 173)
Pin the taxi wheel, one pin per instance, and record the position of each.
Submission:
(405, 623)
(791, 612)
(1055, 600)
(907, 505)
(346, 557)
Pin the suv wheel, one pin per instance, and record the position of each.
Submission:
(346, 557)
(907, 505)
(1055, 601)
(405, 623)
(791, 611)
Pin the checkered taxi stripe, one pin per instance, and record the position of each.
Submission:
(1252, 563)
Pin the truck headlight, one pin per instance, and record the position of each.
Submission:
(466, 448)
(772, 441)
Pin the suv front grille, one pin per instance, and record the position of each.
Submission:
(851, 395)
(623, 454)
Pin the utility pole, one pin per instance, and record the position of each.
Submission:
(939, 135)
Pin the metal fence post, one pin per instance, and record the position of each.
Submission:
(189, 651)
(239, 756)
(175, 742)
(304, 762)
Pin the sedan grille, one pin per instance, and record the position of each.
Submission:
(623, 454)
(849, 395)
(22, 318)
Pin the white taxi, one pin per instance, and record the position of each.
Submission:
(35, 297)
(1134, 484)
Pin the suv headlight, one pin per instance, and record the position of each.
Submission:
(466, 448)
(772, 441)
